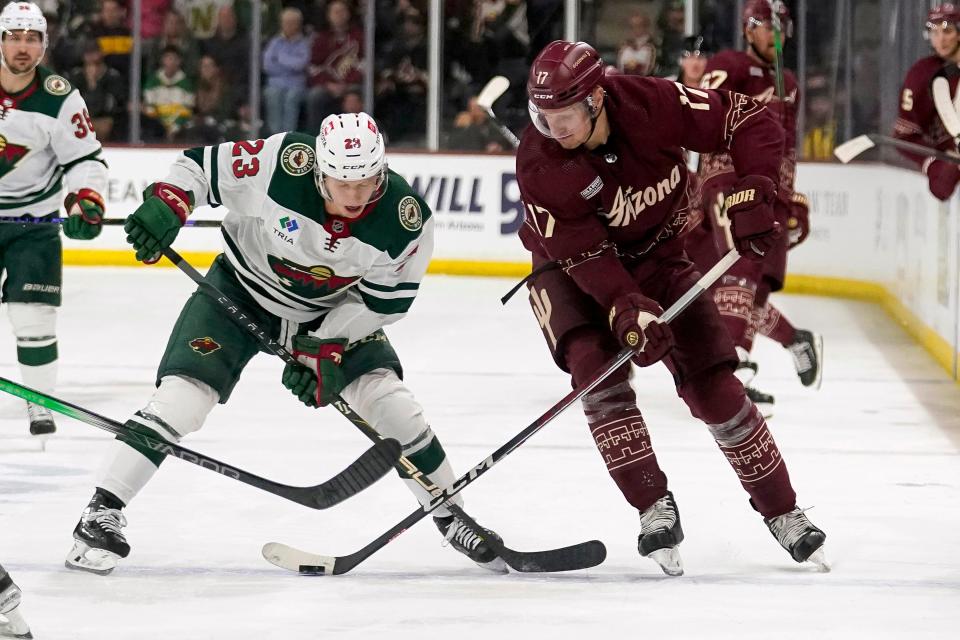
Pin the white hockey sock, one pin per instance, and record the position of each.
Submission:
(125, 471)
(443, 477)
(35, 327)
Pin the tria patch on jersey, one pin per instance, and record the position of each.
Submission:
(309, 282)
(298, 159)
(205, 345)
(10, 155)
(410, 216)
(57, 85)
(592, 189)
(756, 71)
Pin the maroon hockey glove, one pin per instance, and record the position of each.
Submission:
(798, 222)
(942, 178)
(633, 319)
(750, 208)
(318, 379)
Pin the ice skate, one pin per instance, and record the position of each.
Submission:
(42, 425)
(463, 538)
(98, 543)
(795, 533)
(12, 624)
(660, 535)
(764, 401)
(807, 351)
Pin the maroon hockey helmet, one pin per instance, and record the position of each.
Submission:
(943, 13)
(564, 73)
(757, 12)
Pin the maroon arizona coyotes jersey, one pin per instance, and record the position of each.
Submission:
(738, 71)
(586, 209)
(918, 120)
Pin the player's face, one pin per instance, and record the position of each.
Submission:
(693, 67)
(762, 37)
(349, 197)
(944, 38)
(569, 126)
(22, 50)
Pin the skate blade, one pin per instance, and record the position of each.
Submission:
(497, 565)
(819, 559)
(12, 625)
(818, 349)
(669, 560)
(86, 558)
(42, 440)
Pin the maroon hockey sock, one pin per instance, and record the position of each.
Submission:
(775, 325)
(750, 449)
(622, 439)
(734, 297)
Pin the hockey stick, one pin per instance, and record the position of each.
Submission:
(109, 222)
(775, 6)
(852, 148)
(579, 556)
(310, 563)
(360, 474)
(945, 107)
(485, 99)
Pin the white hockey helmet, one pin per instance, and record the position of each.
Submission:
(23, 16)
(350, 147)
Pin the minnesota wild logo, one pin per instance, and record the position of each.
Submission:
(309, 282)
(204, 346)
(10, 155)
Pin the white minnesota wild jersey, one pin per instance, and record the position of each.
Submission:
(46, 140)
(296, 260)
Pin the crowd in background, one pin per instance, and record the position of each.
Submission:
(195, 63)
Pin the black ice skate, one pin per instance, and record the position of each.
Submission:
(764, 401)
(807, 351)
(41, 420)
(462, 538)
(795, 533)
(98, 543)
(12, 624)
(661, 533)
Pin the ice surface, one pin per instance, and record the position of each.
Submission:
(876, 452)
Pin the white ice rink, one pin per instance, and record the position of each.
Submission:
(875, 452)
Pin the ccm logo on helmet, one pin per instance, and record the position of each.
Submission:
(353, 166)
(543, 96)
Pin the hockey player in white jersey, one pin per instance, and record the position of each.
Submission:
(47, 143)
(323, 245)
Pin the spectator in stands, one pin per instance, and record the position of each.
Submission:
(168, 94)
(671, 24)
(285, 63)
(638, 54)
(401, 88)
(105, 92)
(473, 131)
(820, 136)
(113, 36)
(352, 102)
(201, 16)
(336, 64)
(152, 14)
(215, 113)
(63, 53)
(174, 34)
(230, 47)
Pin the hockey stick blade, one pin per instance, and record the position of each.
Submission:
(492, 91)
(945, 109)
(372, 465)
(293, 559)
(855, 146)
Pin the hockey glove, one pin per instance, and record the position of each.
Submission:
(84, 215)
(633, 319)
(750, 208)
(318, 379)
(798, 221)
(155, 224)
(942, 177)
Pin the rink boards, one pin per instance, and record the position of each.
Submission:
(877, 233)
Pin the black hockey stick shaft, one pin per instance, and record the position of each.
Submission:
(342, 564)
(367, 469)
(579, 556)
(109, 222)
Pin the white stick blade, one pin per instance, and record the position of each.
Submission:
(853, 148)
(287, 557)
(495, 88)
(943, 101)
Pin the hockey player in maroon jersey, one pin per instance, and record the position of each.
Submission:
(604, 186)
(742, 295)
(918, 120)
